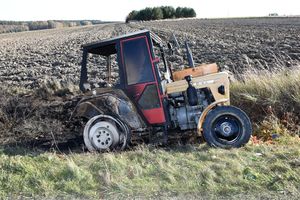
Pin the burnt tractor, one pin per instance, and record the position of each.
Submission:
(149, 99)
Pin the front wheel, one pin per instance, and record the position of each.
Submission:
(226, 127)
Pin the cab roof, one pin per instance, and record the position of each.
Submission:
(107, 47)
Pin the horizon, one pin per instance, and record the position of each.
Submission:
(111, 21)
(34, 10)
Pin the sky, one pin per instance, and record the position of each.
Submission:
(113, 10)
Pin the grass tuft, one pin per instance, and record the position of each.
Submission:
(271, 99)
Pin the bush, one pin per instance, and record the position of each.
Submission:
(185, 12)
(85, 23)
(168, 12)
(13, 28)
(163, 12)
(55, 24)
(157, 13)
(38, 25)
(132, 15)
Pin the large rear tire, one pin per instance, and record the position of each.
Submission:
(226, 127)
(106, 133)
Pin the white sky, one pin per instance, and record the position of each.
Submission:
(117, 10)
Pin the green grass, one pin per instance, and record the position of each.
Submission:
(187, 171)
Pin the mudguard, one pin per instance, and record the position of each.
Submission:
(112, 102)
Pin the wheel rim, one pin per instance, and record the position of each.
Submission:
(102, 125)
(103, 134)
(227, 129)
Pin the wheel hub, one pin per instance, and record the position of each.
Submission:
(102, 138)
(226, 129)
(101, 135)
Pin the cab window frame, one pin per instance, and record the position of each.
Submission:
(151, 78)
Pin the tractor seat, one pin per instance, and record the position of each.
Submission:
(201, 70)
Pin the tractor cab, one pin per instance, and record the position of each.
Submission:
(130, 55)
(137, 71)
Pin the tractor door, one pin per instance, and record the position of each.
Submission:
(141, 81)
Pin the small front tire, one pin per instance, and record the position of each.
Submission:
(226, 127)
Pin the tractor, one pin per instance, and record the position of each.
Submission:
(150, 98)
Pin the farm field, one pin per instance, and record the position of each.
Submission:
(39, 74)
(26, 58)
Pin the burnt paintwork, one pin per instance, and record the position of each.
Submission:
(154, 116)
(109, 101)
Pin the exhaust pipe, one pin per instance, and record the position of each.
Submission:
(189, 55)
(175, 41)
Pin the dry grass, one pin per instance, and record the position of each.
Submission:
(271, 99)
(31, 119)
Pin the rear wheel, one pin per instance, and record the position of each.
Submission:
(105, 133)
(227, 126)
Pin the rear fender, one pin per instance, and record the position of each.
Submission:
(113, 104)
(87, 110)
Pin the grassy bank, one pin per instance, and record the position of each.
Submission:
(255, 171)
(271, 99)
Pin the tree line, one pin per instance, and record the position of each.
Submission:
(163, 12)
(16, 26)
